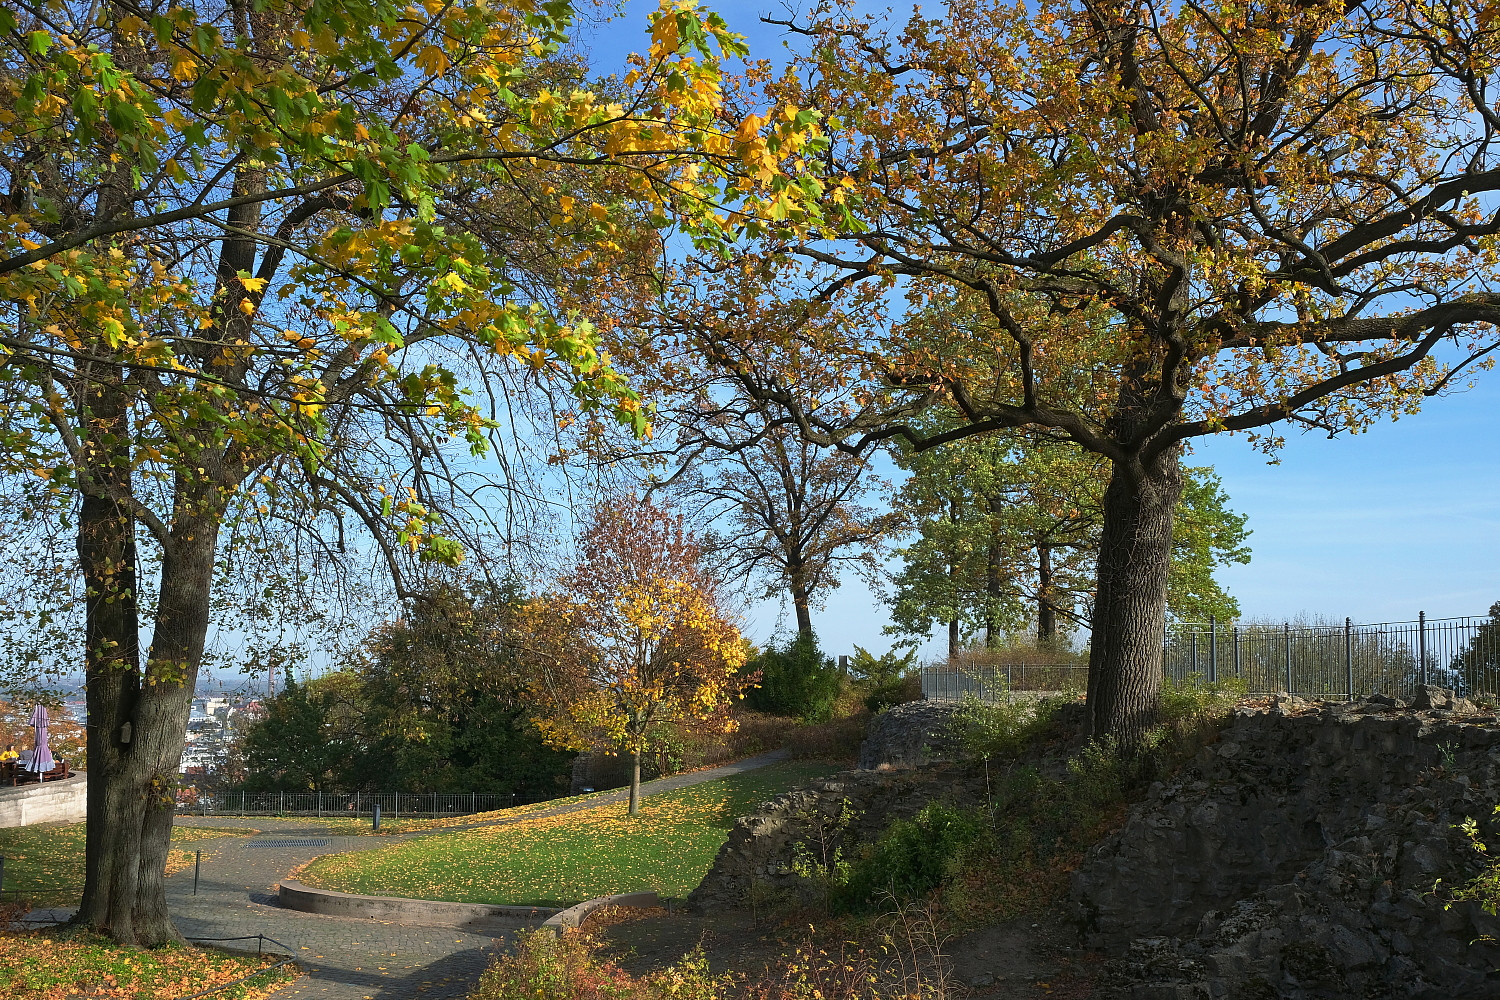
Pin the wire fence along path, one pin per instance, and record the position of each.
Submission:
(1320, 661)
(334, 804)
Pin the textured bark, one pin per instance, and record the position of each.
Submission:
(106, 554)
(1135, 555)
(132, 784)
(993, 636)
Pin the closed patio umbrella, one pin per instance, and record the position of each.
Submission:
(41, 760)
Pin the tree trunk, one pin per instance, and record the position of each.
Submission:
(107, 558)
(1046, 611)
(953, 639)
(801, 600)
(1135, 554)
(993, 637)
(635, 781)
(130, 832)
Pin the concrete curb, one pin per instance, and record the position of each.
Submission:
(293, 895)
(575, 915)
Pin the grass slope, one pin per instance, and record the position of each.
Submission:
(46, 862)
(560, 860)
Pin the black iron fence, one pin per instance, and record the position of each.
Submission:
(1321, 660)
(392, 805)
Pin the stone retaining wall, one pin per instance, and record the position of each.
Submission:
(293, 895)
(64, 801)
(758, 856)
(1300, 857)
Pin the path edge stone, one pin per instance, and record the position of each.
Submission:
(293, 895)
(575, 915)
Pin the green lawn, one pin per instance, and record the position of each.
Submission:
(46, 862)
(560, 860)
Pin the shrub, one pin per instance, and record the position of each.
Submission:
(796, 679)
(912, 857)
(988, 729)
(896, 691)
(836, 739)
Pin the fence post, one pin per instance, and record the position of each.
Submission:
(1349, 655)
(1237, 652)
(320, 803)
(1287, 628)
(1193, 660)
(1421, 647)
(197, 863)
(1213, 649)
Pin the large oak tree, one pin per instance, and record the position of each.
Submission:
(1168, 220)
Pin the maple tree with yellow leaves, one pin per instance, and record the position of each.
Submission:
(634, 638)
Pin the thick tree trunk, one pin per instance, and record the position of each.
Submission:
(132, 785)
(1046, 611)
(107, 557)
(953, 638)
(1130, 603)
(635, 782)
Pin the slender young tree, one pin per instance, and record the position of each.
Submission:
(634, 639)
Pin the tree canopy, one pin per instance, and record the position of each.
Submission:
(1165, 221)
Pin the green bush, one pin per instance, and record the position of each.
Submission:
(796, 679)
(912, 857)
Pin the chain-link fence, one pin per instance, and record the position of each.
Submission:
(1321, 660)
(331, 804)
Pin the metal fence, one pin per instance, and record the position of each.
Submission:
(331, 804)
(1312, 660)
(986, 681)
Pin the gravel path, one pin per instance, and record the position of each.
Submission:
(348, 958)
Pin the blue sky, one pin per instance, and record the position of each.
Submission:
(1377, 527)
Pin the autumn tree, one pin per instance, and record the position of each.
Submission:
(784, 509)
(1167, 220)
(634, 638)
(251, 255)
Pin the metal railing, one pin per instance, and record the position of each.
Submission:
(986, 681)
(332, 804)
(1312, 660)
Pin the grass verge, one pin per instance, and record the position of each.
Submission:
(46, 862)
(61, 963)
(560, 860)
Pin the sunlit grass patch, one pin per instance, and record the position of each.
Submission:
(46, 862)
(50, 964)
(559, 860)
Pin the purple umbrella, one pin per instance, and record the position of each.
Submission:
(41, 760)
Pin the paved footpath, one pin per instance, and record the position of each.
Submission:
(350, 958)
